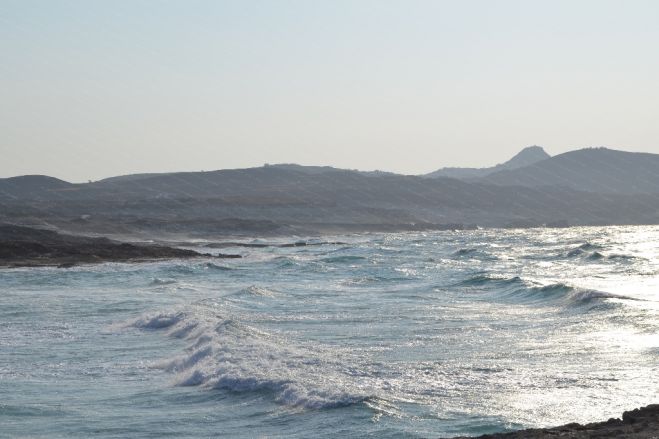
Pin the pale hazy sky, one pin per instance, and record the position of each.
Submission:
(90, 89)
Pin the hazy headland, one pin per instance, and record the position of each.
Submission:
(593, 186)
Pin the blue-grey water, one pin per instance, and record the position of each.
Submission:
(380, 335)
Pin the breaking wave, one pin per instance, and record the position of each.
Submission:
(591, 252)
(224, 353)
(561, 292)
(212, 266)
(521, 291)
(256, 291)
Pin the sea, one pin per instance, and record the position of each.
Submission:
(420, 335)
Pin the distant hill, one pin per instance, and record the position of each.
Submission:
(131, 177)
(525, 157)
(30, 186)
(322, 169)
(585, 187)
(592, 169)
(293, 199)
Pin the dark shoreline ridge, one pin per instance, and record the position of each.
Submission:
(29, 247)
(641, 423)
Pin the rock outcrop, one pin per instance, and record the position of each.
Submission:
(641, 423)
(26, 246)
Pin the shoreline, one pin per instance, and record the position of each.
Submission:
(28, 247)
(640, 423)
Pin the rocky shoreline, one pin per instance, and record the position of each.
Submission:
(29, 247)
(641, 423)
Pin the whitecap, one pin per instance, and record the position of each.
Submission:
(225, 353)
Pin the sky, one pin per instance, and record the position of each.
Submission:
(92, 89)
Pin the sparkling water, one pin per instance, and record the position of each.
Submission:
(374, 335)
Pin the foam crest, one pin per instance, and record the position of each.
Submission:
(216, 267)
(224, 353)
(256, 291)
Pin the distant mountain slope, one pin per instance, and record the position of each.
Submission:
(31, 186)
(525, 157)
(592, 169)
(595, 186)
(322, 169)
(131, 177)
(292, 199)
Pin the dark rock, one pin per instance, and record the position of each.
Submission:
(641, 423)
(25, 246)
(226, 256)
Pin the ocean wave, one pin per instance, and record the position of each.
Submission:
(561, 292)
(254, 290)
(342, 259)
(590, 252)
(286, 262)
(158, 282)
(224, 353)
(589, 246)
(465, 251)
(189, 269)
(485, 279)
(157, 320)
(472, 253)
(181, 269)
(376, 279)
(621, 257)
(577, 252)
(302, 243)
(212, 266)
(520, 291)
(587, 249)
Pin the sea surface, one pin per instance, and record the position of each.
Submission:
(375, 335)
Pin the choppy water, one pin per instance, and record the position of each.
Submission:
(414, 334)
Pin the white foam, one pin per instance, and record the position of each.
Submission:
(256, 291)
(226, 354)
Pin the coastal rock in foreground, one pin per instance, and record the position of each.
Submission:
(25, 246)
(641, 423)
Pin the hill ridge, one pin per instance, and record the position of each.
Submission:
(529, 155)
